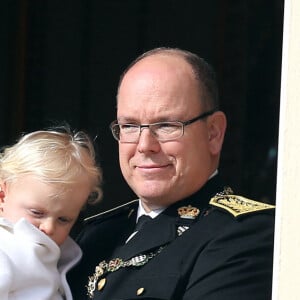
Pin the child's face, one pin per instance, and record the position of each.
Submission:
(44, 205)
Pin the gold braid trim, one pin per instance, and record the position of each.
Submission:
(238, 205)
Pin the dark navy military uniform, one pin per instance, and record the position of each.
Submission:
(217, 251)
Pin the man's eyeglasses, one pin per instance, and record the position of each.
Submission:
(162, 131)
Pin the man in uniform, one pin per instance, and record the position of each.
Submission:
(202, 241)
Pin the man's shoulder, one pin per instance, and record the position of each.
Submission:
(240, 206)
(127, 208)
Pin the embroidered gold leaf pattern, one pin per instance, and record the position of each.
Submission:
(238, 205)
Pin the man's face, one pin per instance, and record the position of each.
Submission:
(163, 88)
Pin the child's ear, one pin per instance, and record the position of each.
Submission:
(216, 131)
(2, 194)
(3, 188)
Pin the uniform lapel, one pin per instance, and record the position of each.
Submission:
(149, 237)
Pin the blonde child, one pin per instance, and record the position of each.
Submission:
(46, 178)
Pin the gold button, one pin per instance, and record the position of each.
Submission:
(101, 284)
(140, 291)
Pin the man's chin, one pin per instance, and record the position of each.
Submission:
(154, 199)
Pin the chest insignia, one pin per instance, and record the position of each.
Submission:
(182, 229)
(188, 212)
(238, 205)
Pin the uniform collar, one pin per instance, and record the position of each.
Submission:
(152, 236)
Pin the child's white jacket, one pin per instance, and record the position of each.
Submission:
(32, 266)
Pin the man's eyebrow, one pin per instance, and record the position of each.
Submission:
(158, 120)
(124, 120)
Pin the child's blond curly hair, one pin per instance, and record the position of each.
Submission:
(57, 156)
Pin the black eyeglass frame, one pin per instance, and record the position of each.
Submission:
(183, 123)
(200, 117)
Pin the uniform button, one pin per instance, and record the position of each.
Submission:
(140, 291)
(101, 284)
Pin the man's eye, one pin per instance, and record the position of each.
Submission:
(128, 127)
(167, 127)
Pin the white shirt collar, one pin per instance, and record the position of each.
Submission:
(213, 174)
(153, 213)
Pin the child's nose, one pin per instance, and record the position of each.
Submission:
(47, 226)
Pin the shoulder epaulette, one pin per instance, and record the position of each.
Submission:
(238, 205)
(111, 212)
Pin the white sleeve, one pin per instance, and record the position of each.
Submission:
(6, 275)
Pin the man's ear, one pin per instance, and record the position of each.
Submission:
(216, 131)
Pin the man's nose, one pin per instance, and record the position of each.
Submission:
(147, 141)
